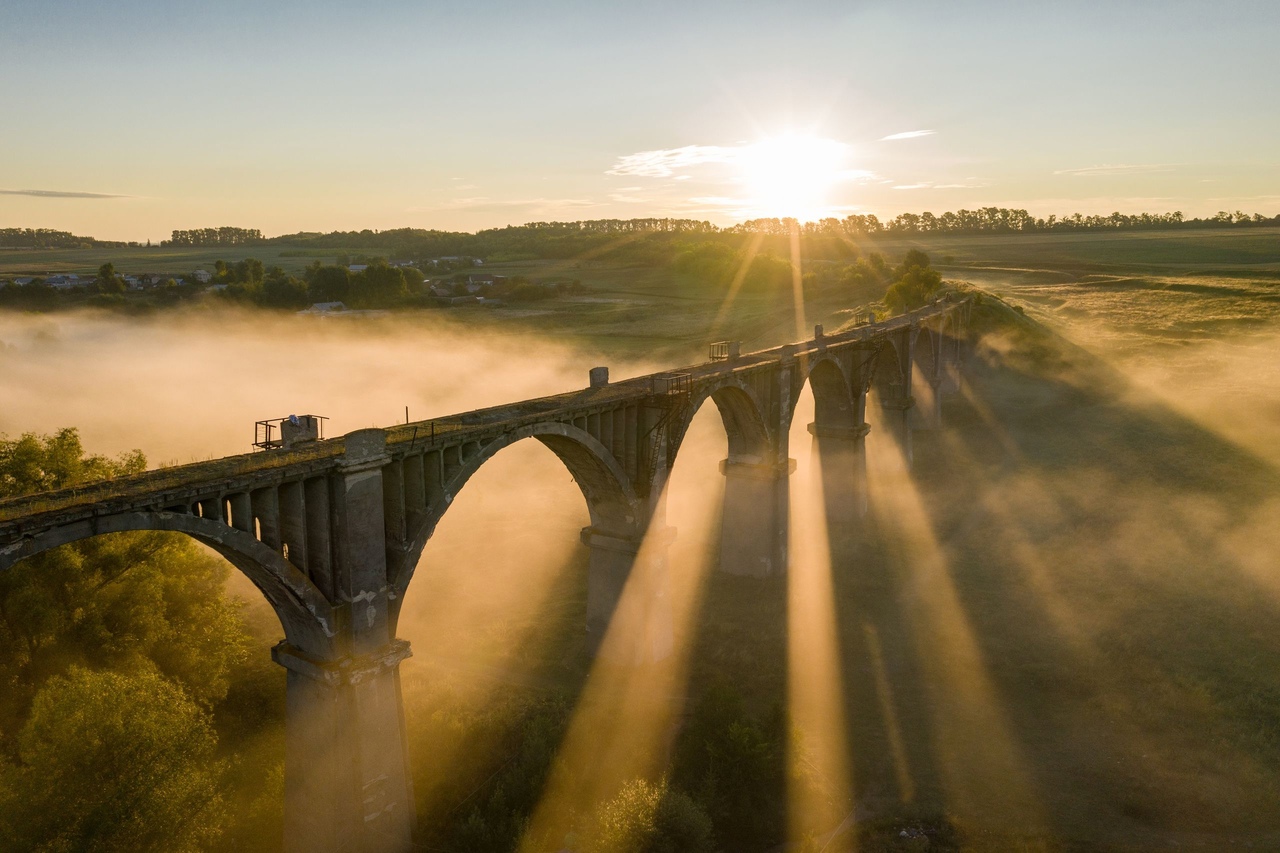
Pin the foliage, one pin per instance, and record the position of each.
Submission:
(918, 285)
(648, 817)
(735, 765)
(111, 762)
(34, 463)
(47, 238)
(224, 236)
(378, 285)
(494, 784)
(125, 601)
(328, 283)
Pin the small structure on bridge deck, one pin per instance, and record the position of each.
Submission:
(277, 433)
(671, 385)
(725, 350)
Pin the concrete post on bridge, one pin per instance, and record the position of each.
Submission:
(347, 782)
(892, 383)
(629, 618)
(757, 498)
(756, 523)
(841, 456)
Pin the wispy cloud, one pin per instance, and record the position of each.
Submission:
(61, 194)
(972, 184)
(481, 203)
(664, 162)
(1118, 169)
(907, 134)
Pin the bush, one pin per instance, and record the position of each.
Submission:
(647, 817)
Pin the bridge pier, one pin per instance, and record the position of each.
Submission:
(840, 453)
(753, 535)
(346, 778)
(926, 413)
(347, 781)
(629, 618)
(897, 420)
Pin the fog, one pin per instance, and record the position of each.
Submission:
(1060, 623)
(187, 386)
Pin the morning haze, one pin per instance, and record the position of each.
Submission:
(596, 429)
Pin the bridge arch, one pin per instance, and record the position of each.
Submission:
(742, 414)
(891, 378)
(611, 500)
(926, 354)
(834, 398)
(307, 618)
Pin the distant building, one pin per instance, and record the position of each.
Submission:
(66, 282)
(203, 276)
(324, 308)
(357, 267)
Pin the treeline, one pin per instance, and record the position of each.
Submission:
(47, 238)
(651, 240)
(379, 285)
(998, 220)
(224, 236)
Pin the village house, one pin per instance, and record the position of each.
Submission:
(324, 308)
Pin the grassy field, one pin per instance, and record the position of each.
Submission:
(176, 260)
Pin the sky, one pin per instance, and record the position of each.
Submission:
(127, 120)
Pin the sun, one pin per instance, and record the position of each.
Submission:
(791, 175)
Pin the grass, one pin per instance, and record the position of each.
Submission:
(175, 260)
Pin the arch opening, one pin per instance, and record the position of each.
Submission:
(742, 418)
(495, 617)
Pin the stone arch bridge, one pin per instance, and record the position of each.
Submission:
(331, 531)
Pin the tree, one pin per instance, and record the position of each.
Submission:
(917, 288)
(378, 286)
(914, 258)
(646, 817)
(107, 280)
(112, 761)
(328, 283)
(122, 601)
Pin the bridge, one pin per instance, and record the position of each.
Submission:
(331, 531)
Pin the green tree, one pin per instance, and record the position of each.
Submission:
(646, 817)
(328, 283)
(107, 280)
(280, 290)
(122, 601)
(917, 288)
(378, 286)
(113, 762)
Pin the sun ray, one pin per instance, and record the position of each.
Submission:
(981, 763)
(753, 248)
(820, 779)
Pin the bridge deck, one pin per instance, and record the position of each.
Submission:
(122, 492)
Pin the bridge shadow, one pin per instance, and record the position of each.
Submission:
(1063, 633)
(1113, 563)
